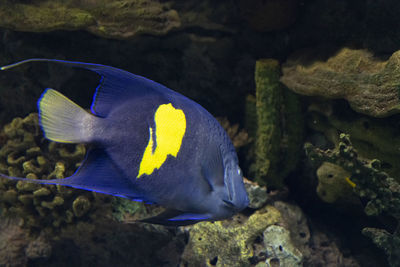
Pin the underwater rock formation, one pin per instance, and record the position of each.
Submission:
(227, 243)
(372, 184)
(110, 19)
(13, 241)
(25, 152)
(279, 126)
(373, 138)
(369, 84)
(268, 99)
(121, 19)
(257, 194)
(278, 243)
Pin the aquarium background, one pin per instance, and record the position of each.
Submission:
(309, 92)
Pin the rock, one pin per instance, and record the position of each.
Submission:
(294, 219)
(369, 84)
(258, 195)
(373, 138)
(38, 248)
(325, 251)
(227, 244)
(280, 248)
(110, 19)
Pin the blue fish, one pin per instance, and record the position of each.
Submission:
(147, 143)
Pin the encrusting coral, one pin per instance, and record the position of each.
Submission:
(111, 19)
(227, 243)
(25, 152)
(370, 85)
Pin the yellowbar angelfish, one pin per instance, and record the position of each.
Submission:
(148, 143)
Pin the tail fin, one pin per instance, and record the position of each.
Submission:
(62, 120)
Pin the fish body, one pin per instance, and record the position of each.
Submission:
(148, 143)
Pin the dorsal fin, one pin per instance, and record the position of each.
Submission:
(115, 84)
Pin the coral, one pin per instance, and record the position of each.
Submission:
(111, 19)
(373, 138)
(390, 243)
(294, 220)
(239, 138)
(279, 129)
(227, 243)
(80, 206)
(376, 186)
(27, 153)
(371, 86)
(280, 247)
(268, 98)
(123, 207)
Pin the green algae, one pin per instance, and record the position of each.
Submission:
(224, 244)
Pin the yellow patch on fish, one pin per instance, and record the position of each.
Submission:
(170, 129)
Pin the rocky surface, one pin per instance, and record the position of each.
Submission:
(111, 19)
(369, 84)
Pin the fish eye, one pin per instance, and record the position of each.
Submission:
(239, 171)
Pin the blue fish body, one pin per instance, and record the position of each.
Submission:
(148, 143)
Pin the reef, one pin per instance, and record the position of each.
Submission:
(372, 138)
(110, 19)
(122, 19)
(380, 190)
(25, 153)
(369, 84)
(279, 126)
(208, 245)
